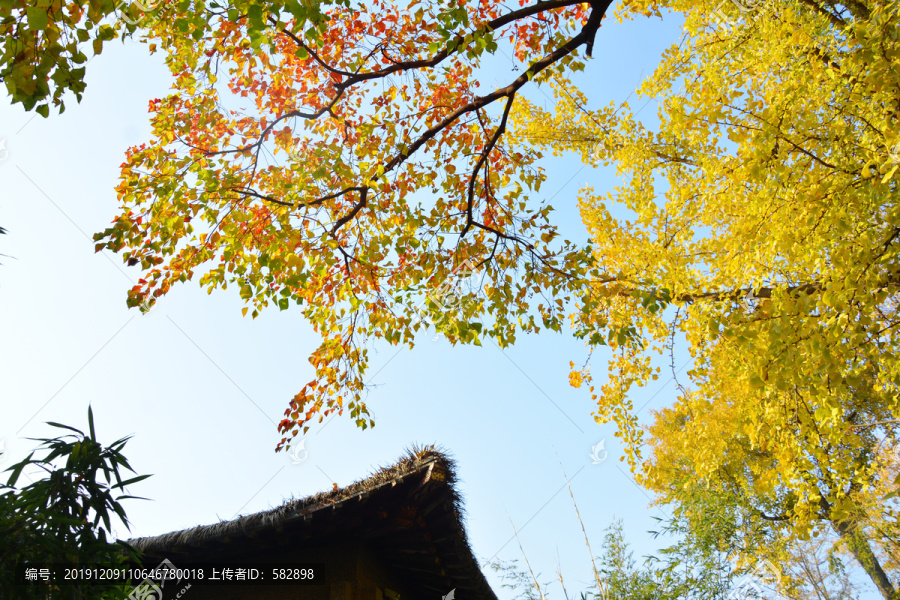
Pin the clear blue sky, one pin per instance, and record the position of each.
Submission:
(201, 388)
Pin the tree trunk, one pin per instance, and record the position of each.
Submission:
(862, 552)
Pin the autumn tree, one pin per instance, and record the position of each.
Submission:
(354, 168)
(758, 221)
(764, 517)
(712, 522)
(45, 45)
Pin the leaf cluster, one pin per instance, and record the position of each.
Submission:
(350, 171)
(66, 516)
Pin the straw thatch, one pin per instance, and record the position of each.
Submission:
(409, 515)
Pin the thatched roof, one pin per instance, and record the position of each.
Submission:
(409, 513)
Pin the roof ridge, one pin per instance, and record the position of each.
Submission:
(415, 459)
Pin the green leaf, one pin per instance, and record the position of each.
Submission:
(130, 481)
(16, 470)
(91, 423)
(61, 426)
(37, 18)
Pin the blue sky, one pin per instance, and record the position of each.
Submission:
(201, 388)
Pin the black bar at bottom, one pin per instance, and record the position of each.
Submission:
(168, 573)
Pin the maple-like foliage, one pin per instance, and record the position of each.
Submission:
(759, 221)
(42, 46)
(45, 45)
(357, 168)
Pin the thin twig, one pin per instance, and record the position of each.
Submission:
(533, 578)
(604, 593)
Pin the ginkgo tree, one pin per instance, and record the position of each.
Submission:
(353, 166)
(789, 477)
(758, 220)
